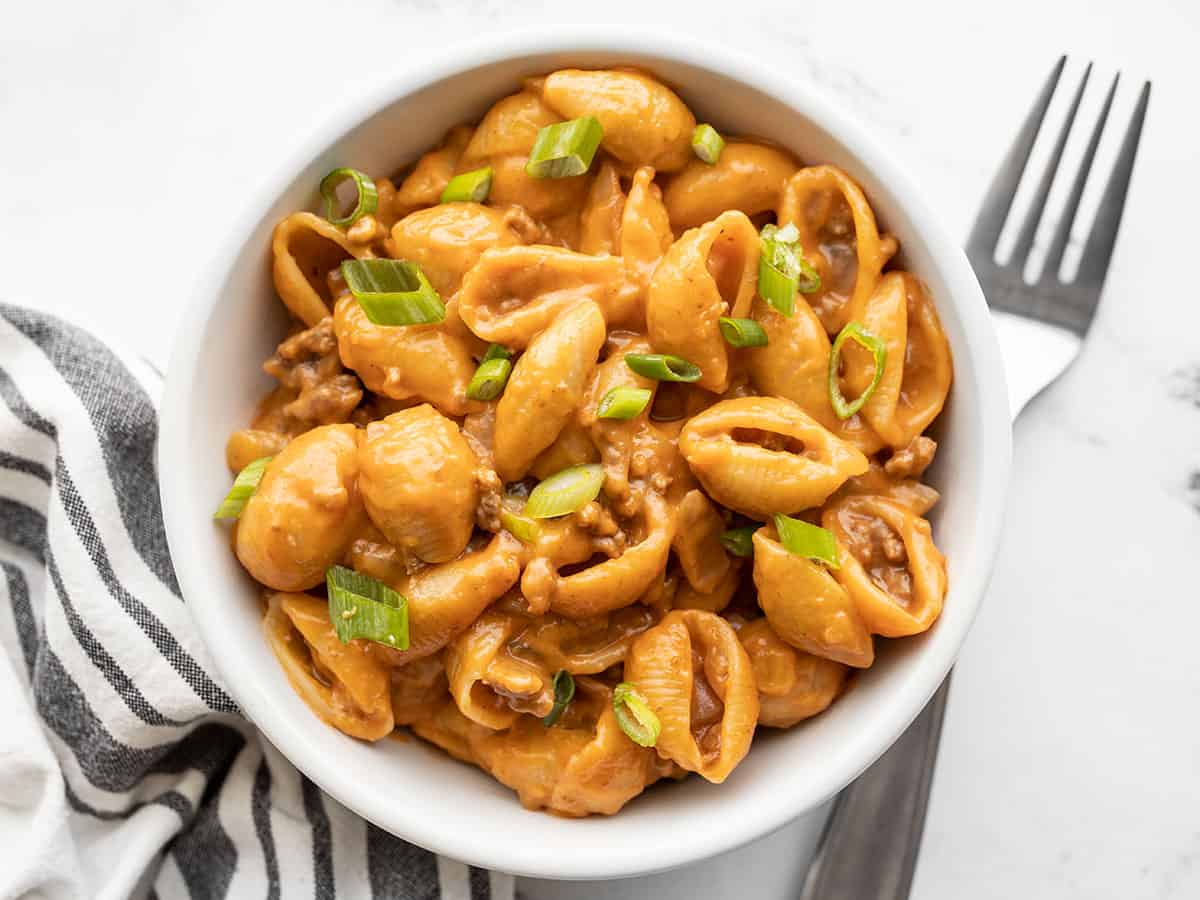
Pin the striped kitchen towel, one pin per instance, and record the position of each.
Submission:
(126, 770)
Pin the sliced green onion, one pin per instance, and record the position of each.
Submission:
(393, 292)
(523, 528)
(661, 367)
(496, 351)
(810, 541)
(707, 143)
(634, 715)
(565, 149)
(853, 331)
(361, 607)
(243, 489)
(564, 693)
(367, 197)
(742, 332)
(565, 492)
(782, 269)
(469, 187)
(489, 379)
(623, 403)
(740, 541)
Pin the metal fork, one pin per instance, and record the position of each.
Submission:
(871, 841)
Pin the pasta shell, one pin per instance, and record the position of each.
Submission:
(645, 229)
(446, 240)
(697, 542)
(747, 177)
(304, 249)
(545, 387)
(710, 272)
(695, 656)
(714, 601)
(806, 606)
(423, 186)
(600, 219)
(418, 483)
(491, 686)
(764, 455)
(890, 566)
(792, 685)
(306, 510)
(353, 696)
(644, 122)
(840, 238)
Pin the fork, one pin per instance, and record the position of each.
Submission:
(872, 838)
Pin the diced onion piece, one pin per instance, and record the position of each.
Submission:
(739, 541)
(361, 607)
(489, 379)
(661, 367)
(782, 269)
(707, 143)
(565, 492)
(635, 716)
(742, 332)
(810, 541)
(469, 187)
(565, 149)
(623, 403)
(243, 489)
(523, 528)
(564, 693)
(393, 292)
(366, 197)
(854, 331)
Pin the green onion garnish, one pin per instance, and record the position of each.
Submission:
(635, 716)
(661, 367)
(565, 492)
(565, 149)
(707, 143)
(739, 541)
(243, 489)
(564, 692)
(783, 270)
(523, 528)
(623, 403)
(853, 331)
(361, 607)
(496, 351)
(810, 541)
(393, 292)
(742, 332)
(367, 197)
(469, 187)
(489, 379)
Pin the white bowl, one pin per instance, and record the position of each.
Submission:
(421, 794)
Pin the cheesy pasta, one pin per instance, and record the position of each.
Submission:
(596, 445)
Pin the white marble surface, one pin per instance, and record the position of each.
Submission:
(1070, 766)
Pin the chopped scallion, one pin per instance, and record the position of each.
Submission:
(739, 541)
(243, 489)
(469, 187)
(707, 143)
(565, 149)
(496, 351)
(854, 331)
(661, 367)
(564, 693)
(810, 541)
(635, 716)
(393, 292)
(742, 332)
(565, 492)
(366, 197)
(623, 403)
(523, 528)
(362, 607)
(489, 379)
(782, 269)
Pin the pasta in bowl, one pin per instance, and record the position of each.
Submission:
(551, 449)
(584, 592)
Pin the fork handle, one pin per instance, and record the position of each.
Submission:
(880, 817)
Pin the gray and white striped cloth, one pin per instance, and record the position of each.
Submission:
(126, 770)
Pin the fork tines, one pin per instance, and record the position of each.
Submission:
(1067, 304)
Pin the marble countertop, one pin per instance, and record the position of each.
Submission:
(1070, 765)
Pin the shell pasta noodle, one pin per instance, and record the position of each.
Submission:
(596, 444)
